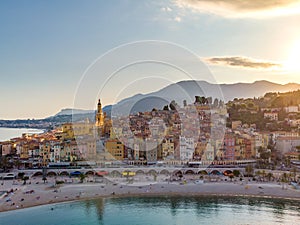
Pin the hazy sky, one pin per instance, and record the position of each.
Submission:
(47, 46)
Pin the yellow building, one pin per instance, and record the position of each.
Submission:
(240, 148)
(116, 132)
(67, 131)
(200, 149)
(167, 149)
(72, 130)
(45, 149)
(236, 124)
(24, 153)
(83, 129)
(115, 148)
(266, 138)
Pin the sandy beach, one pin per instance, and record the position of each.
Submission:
(36, 192)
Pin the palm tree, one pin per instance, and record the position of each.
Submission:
(258, 173)
(283, 179)
(236, 173)
(287, 162)
(154, 177)
(17, 163)
(25, 178)
(4, 163)
(82, 177)
(269, 176)
(231, 176)
(294, 171)
(263, 173)
(249, 170)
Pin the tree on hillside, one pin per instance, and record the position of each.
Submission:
(270, 95)
(209, 100)
(278, 102)
(282, 115)
(216, 103)
(204, 100)
(173, 105)
(243, 106)
(250, 105)
(198, 99)
(221, 103)
(166, 107)
(201, 100)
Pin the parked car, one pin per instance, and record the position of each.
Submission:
(75, 173)
(199, 181)
(9, 176)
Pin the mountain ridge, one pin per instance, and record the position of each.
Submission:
(191, 88)
(186, 90)
(182, 90)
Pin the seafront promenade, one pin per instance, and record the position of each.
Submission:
(137, 170)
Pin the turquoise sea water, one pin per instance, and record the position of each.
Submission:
(8, 133)
(160, 211)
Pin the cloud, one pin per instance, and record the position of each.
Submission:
(177, 19)
(244, 62)
(166, 9)
(172, 16)
(242, 8)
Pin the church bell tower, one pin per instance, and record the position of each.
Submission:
(99, 115)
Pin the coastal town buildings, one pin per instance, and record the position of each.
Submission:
(291, 109)
(151, 151)
(286, 144)
(229, 147)
(186, 148)
(168, 149)
(271, 115)
(115, 148)
(6, 148)
(193, 133)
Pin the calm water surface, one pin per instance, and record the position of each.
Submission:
(161, 211)
(8, 133)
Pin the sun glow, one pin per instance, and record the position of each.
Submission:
(293, 61)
